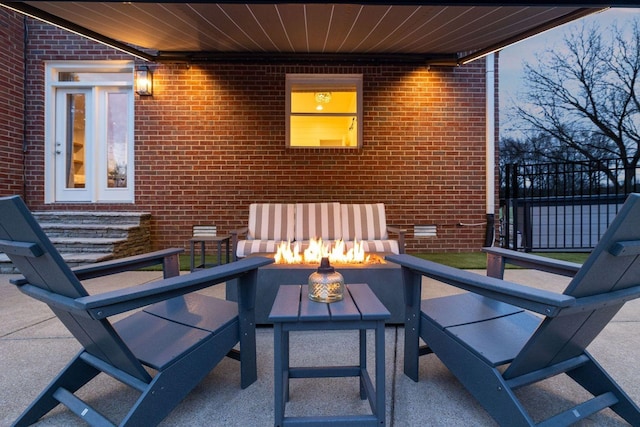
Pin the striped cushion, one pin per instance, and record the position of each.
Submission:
(318, 220)
(271, 221)
(364, 222)
(248, 247)
(380, 246)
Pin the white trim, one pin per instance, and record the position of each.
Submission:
(52, 68)
(324, 83)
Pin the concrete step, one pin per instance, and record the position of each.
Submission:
(72, 259)
(89, 217)
(87, 244)
(89, 237)
(85, 231)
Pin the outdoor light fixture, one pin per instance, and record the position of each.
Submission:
(144, 81)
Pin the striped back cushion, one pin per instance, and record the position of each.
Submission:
(364, 222)
(318, 220)
(271, 221)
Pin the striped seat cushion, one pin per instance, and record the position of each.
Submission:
(247, 247)
(364, 222)
(318, 220)
(380, 246)
(271, 221)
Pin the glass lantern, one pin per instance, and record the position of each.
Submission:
(326, 284)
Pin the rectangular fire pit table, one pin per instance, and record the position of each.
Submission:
(384, 279)
(361, 310)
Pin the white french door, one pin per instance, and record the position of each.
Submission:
(93, 144)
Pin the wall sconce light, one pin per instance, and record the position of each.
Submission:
(144, 81)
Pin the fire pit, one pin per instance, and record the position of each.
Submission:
(384, 278)
(337, 253)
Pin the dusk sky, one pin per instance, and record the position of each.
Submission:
(513, 57)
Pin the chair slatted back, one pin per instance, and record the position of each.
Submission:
(613, 265)
(31, 251)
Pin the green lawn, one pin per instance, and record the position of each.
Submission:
(465, 260)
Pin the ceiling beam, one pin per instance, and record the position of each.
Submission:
(532, 3)
(450, 60)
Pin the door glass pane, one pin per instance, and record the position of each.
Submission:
(117, 143)
(76, 141)
(66, 76)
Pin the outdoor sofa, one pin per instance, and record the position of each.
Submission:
(272, 223)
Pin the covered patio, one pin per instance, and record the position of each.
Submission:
(424, 66)
(34, 346)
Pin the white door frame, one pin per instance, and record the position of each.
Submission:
(95, 79)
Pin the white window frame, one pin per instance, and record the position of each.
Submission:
(324, 83)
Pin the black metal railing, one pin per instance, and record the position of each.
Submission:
(562, 206)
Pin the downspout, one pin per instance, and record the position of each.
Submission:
(490, 149)
(25, 93)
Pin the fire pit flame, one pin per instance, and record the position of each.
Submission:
(286, 253)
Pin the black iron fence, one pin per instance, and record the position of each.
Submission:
(562, 206)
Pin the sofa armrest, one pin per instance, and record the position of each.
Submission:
(400, 232)
(235, 235)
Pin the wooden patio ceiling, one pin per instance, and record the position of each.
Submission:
(430, 32)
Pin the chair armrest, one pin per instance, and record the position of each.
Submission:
(497, 258)
(400, 232)
(235, 234)
(533, 299)
(167, 257)
(122, 300)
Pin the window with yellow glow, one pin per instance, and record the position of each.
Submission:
(324, 110)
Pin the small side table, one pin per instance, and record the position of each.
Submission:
(360, 309)
(219, 240)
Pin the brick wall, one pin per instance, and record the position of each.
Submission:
(212, 140)
(11, 102)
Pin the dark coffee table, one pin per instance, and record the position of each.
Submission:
(385, 280)
(360, 310)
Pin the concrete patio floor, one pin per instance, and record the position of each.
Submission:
(34, 346)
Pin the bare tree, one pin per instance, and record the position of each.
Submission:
(584, 96)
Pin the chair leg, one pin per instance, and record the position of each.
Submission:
(247, 285)
(412, 289)
(76, 374)
(595, 380)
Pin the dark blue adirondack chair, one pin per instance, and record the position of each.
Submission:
(180, 335)
(490, 340)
